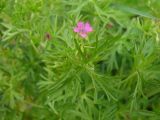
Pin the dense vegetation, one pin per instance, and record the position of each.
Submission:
(50, 72)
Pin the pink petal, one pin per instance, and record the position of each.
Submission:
(80, 24)
(88, 27)
(84, 35)
(76, 29)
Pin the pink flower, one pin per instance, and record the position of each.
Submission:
(83, 29)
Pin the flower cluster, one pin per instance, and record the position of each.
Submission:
(83, 29)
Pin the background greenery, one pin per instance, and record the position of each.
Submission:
(47, 72)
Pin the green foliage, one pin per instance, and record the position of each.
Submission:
(47, 72)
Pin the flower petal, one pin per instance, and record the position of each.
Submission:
(88, 27)
(80, 25)
(76, 29)
(84, 35)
